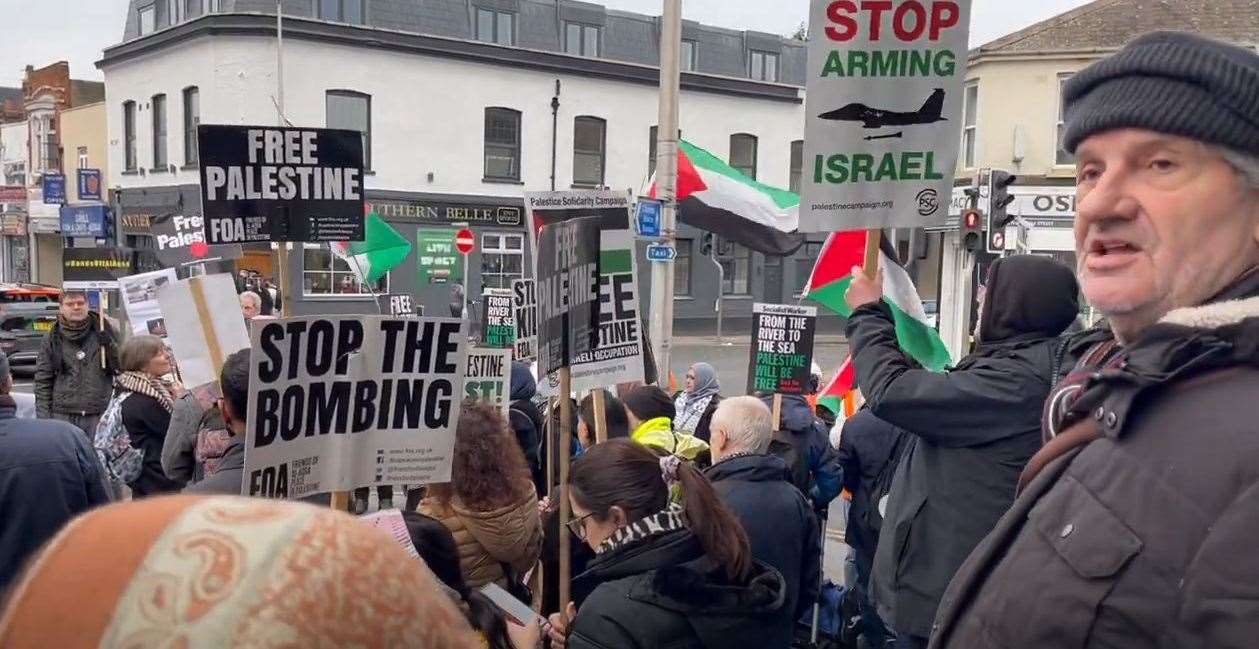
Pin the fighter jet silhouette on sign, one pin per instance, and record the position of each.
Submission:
(876, 118)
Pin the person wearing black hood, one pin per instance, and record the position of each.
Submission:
(525, 421)
(975, 427)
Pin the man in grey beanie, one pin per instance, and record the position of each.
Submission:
(1136, 524)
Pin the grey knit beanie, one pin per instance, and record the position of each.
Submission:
(1171, 82)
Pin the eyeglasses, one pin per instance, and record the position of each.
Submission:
(578, 526)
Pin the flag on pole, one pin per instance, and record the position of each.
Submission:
(381, 249)
(718, 198)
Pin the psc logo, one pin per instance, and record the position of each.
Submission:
(928, 202)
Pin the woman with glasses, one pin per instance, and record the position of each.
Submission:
(664, 574)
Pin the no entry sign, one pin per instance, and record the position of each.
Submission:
(465, 241)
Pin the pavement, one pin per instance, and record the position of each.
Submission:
(730, 358)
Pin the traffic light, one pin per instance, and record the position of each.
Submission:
(706, 244)
(972, 221)
(999, 199)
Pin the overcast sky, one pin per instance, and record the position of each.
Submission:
(42, 31)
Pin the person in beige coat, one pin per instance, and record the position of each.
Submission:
(490, 506)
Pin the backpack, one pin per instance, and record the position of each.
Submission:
(121, 460)
(212, 435)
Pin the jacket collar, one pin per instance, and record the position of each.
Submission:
(753, 467)
(1214, 315)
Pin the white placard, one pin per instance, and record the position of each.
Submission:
(194, 338)
(139, 298)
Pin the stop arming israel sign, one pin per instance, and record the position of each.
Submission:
(262, 183)
(883, 111)
(352, 401)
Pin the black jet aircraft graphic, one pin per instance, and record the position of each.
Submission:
(876, 118)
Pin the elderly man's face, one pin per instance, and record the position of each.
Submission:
(1161, 222)
(248, 308)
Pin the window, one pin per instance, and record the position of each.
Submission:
(682, 267)
(502, 259)
(129, 135)
(582, 40)
(502, 144)
(805, 259)
(797, 166)
(743, 153)
(496, 26)
(1061, 156)
(589, 137)
(192, 117)
(763, 66)
(687, 60)
(83, 157)
(736, 266)
(324, 273)
(344, 11)
(352, 110)
(970, 99)
(159, 132)
(148, 19)
(174, 11)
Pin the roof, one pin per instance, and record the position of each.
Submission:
(1110, 24)
(10, 93)
(86, 92)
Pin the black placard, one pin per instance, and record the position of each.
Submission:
(781, 355)
(93, 268)
(263, 183)
(568, 292)
(499, 321)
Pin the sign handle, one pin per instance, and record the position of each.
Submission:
(777, 411)
(207, 324)
(103, 299)
(562, 446)
(601, 417)
(340, 500)
(873, 241)
(281, 276)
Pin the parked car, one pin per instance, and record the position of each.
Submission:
(11, 292)
(22, 330)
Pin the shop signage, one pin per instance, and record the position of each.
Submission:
(13, 225)
(89, 184)
(12, 194)
(505, 215)
(437, 260)
(95, 269)
(83, 220)
(54, 188)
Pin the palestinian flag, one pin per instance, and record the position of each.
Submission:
(718, 198)
(832, 273)
(381, 249)
(838, 395)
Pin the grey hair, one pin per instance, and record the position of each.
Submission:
(253, 298)
(746, 422)
(1245, 164)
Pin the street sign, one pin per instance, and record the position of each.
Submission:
(661, 252)
(647, 217)
(465, 241)
(54, 188)
(89, 184)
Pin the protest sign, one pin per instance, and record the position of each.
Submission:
(338, 402)
(262, 183)
(568, 291)
(781, 355)
(436, 258)
(499, 324)
(525, 313)
(95, 269)
(204, 324)
(488, 377)
(619, 355)
(139, 298)
(398, 304)
(179, 240)
(883, 109)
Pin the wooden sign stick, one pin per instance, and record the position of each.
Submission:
(601, 417)
(562, 445)
(776, 415)
(103, 299)
(874, 238)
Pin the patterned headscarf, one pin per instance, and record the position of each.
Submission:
(225, 571)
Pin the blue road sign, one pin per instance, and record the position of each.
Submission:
(661, 252)
(647, 217)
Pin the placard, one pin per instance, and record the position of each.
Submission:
(139, 298)
(398, 304)
(264, 183)
(436, 258)
(498, 328)
(339, 402)
(525, 314)
(204, 324)
(781, 356)
(568, 292)
(179, 240)
(883, 109)
(95, 269)
(488, 377)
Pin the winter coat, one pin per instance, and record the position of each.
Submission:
(657, 434)
(146, 422)
(868, 446)
(815, 466)
(526, 421)
(69, 378)
(509, 535)
(662, 591)
(179, 448)
(48, 475)
(1141, 533)
(229, 475)
(780, 524)
(976, 426)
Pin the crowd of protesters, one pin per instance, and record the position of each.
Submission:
(1053, 488)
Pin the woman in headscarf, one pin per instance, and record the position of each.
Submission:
(224, 571)
(148, 399)
(697, 403)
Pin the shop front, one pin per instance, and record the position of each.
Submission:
(144, 213)
(15, 252)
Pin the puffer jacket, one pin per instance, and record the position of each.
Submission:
(1137, 524)
(69, 378)
(509, 535)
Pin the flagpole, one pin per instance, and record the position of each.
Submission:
(666, 183)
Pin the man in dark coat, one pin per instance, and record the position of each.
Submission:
(74, 375)
(756, 486)
(804, 442)
(48, 475)
(1136, 524)
(976, 426)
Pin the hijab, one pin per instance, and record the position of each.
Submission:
(706, 384)
(227, 571)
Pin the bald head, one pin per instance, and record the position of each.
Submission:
(740, 425)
